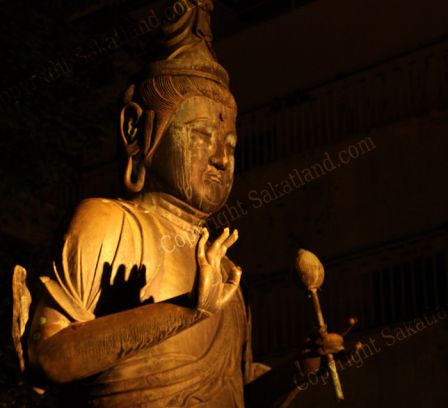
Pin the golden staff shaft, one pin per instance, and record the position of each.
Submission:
(323, 330)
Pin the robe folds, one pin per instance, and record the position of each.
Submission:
(205, 365)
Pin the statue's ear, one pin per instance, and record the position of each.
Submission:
(134, 136)
(130, 126)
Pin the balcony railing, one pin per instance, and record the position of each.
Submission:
(407, 86)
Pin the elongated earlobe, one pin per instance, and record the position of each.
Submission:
(137, 185)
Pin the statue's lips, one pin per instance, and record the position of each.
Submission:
(213, 177)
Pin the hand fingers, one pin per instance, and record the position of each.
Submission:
(220, 246)
(229, 241)
(232, 284)
(225, 234)
(235, 275)
(202, 260)
(217, 244)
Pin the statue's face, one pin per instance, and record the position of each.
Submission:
(195, 159)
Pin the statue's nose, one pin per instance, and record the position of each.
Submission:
(219, 157)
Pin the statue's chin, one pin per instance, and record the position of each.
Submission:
(214, 197)
(207, 205)
(207, 197)
(209, 200)
(211, 207)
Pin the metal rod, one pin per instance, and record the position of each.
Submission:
(323, 330)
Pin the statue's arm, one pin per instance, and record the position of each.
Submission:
(65, 351)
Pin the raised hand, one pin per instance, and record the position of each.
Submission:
(213, 292)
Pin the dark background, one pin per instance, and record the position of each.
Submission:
(310, 77)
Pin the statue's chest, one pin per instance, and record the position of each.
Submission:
(172, 266)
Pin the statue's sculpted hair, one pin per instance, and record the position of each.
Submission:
(162, 96)
(166, 93)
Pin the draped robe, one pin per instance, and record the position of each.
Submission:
(205, 365)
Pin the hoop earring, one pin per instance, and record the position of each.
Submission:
(137, 186)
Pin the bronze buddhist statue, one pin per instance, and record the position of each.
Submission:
(124, 322)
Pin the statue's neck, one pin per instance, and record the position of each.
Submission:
(174, 210)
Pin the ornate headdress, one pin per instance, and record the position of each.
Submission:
(187, 46)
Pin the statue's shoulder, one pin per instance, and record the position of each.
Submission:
(103, 237)
(99, 220)
(99, 208)
(111, 223)
(104, 211)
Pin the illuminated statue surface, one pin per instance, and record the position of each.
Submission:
(178, 126)
(129, 318)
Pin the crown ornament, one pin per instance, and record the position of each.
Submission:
(186, 46)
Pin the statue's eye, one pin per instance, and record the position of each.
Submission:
(203, 133)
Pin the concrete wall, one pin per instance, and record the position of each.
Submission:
(325, 39)
(396, 189)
